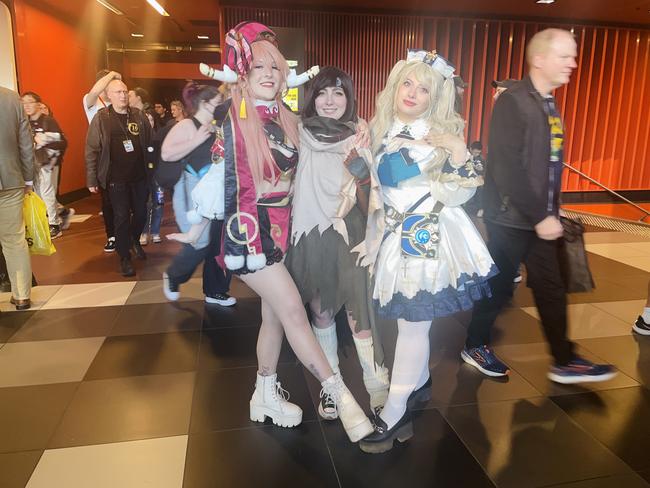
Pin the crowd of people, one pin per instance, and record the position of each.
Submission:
(323, 211)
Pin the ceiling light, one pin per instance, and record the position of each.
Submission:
(158, 8)
(110, 7)
(545, 1)
(134, 34)
(203, 37)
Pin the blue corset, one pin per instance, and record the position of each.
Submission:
(395, 167)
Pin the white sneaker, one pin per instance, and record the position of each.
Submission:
(144, 239)
(222, 299)
(155, 238)
(271, 400)
(170, 289)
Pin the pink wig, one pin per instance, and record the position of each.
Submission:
(260, 160)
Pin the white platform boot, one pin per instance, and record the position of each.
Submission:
(270, 400)
(356, 424)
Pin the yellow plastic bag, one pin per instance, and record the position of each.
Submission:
(37, 228)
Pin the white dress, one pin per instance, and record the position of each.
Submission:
(424, 288)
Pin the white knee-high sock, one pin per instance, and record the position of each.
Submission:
(411, 358)
(326, 337)
(366, 353)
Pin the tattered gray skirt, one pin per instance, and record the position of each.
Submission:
(323, 264)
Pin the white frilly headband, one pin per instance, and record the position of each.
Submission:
(433, 59)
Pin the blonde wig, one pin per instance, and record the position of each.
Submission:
(260, 160)
(441, 116)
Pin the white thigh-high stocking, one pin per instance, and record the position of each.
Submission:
(411, 359)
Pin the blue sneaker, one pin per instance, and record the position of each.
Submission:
(483, 359)
(580, 370)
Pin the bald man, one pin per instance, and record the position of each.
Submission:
(521, 209)
(117, 152)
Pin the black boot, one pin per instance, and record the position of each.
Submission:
(382, 439)
(138, 251)
(126, 267)
(420, 396)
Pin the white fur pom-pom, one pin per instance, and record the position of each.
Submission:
(234, 262)
(193, 217)
(256, 261)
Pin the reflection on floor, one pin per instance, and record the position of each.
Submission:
(104, 384)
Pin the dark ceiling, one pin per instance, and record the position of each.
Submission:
(189, 18)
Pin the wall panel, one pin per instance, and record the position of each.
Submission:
(604, 107)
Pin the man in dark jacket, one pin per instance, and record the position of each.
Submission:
(521, 209)
(118, 149)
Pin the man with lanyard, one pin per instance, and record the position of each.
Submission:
(521, 210)
(117, 152)
(94, 101)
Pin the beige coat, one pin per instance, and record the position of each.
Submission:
(16, 142)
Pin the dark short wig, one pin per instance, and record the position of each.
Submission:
(327, 77)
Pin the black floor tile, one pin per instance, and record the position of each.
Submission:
(514, 326)
(531, 443)
(247, 312)
(29, 414)
(608, 290)
(126, 409)
(622, 481)
(137, 355)
(645, 475)
(153, 318)
(617, 418)
(68, 323)
(10, 322)
(233, 348)
(221, 398)
(266, 457)
(434, 456)
(17, 467)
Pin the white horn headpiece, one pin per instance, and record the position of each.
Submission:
(226, 76)
(294, 80)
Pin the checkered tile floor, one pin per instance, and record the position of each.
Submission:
(104, 384)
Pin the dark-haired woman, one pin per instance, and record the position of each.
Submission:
(330, 198)
(191, 140)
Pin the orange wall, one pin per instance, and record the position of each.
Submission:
(57, 62)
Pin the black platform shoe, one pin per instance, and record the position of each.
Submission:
(420, 396)
(382, 439)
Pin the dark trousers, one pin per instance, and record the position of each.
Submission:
(107, 213)
(510, 247)
(215, 280)
(129, 201)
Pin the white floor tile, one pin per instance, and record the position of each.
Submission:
(91, 295)
(587, 321)
(627, 310)
(40, 296)
(156, 463)
(47, 362)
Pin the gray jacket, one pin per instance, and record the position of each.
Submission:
(16, 142)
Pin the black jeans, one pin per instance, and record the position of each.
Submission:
(107, 214)
(129, 201)
(510, 247)
(215, 280)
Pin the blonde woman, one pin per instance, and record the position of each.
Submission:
(427, 258)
